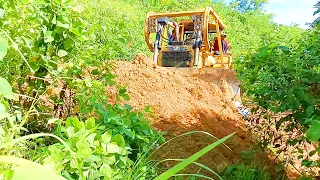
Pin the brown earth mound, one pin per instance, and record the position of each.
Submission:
(182, 103)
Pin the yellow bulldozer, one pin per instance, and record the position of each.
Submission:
(190, 50)
(192, 47)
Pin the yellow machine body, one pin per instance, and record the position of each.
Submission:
(184, 53)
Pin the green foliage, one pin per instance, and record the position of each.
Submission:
(248, 5)
(313, 133)
(284, 76)
(316, 22)
(88, 153)
(5, 89)
(117, 25)
(245, 172)
(305, 178)
(89, 149)
(53, 49)
(280, 79)
(86, 149)
(49, 29)
(10, 120)
(3, 48)
(97, 151)
(132, 125)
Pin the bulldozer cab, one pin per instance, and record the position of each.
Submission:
(191, 46)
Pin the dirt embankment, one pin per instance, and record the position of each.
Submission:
(183, 103)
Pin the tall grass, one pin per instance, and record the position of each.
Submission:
(31, 170)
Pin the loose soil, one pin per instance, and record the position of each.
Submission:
(183, 103)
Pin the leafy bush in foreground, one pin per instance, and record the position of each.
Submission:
(45, 48)
(286, 80)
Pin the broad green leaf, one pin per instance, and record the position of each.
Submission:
(295, 104)
(3, 48)
(126, 122)
(92, 158)
(58, 167)
(143, 138)
(62, 53)
(126, 97)
(106, 137)
(102, 148)
(128, 107)
(56, 153)
(119, 140)
(74, 163)
(106, 170)
(82, 144)
(70, 132)
(125, 160)
(172, 171)
(90, 123)
(64, 19)
(123, 151)
(2, 12)
(48, 37)
(59, 24)
(83, 38)
(69, 121)
(118, 120)
(54, 20)
(77, 124)
(94, 174)
(95, 72)
(90, 138)
(128, 132)
(109, 160)
(7, 174)
(309, 111)
(5, 89)
(284, 48)
(75, 31)
(113, 148)
(306, 163)
(313, 133)
(122, 90)
(84, 152)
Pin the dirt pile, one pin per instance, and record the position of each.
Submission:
(169, 92)
(183, 103)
